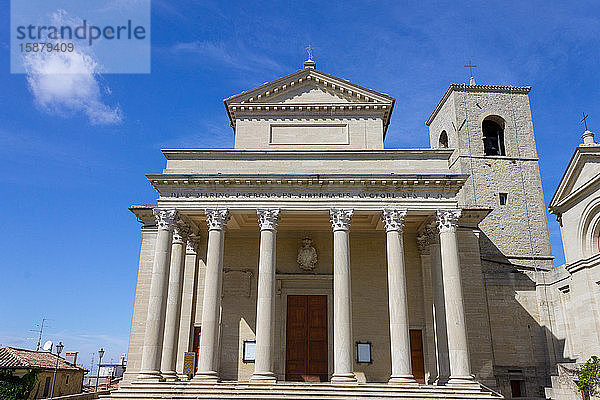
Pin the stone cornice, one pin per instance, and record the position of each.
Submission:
(235, 154)
(450, 181)
(459, 87)
(583, 263)
(564, 192)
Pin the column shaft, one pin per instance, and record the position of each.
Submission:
(263, 365)
(398, 304)
(188, 303)
(439, 314)
(208, 363)
(342, 301)
(173, 313)
(458, 352)
(155, 320)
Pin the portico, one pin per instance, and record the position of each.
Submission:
(388, 223)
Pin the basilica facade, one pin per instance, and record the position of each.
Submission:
(310, 258)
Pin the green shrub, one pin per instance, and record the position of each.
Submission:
(15, 388)
(588, 377)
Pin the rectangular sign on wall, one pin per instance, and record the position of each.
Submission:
(189, 360)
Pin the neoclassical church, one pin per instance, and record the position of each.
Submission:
(310, 261)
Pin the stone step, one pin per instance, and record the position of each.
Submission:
(187, 390)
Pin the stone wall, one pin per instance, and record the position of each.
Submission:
(140, 305)
(67, 382)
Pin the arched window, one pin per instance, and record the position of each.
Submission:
(443, 141)
(493, 136)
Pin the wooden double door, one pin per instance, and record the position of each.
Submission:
(306, 338)
(306, 341)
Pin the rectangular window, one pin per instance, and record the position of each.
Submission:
(503, 197)
(66, 379)
(47, 387)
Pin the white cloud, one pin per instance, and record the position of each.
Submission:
(67, 83)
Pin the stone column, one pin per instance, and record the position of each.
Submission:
(342, 301)
(439, 308)
(173, 314)
(155, 320)
(458, 352)
(188, 303)
(263, 364)
(208, 362)
(399, 325)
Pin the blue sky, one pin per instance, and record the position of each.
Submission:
(74, 157)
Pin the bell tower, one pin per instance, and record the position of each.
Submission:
(491, 130)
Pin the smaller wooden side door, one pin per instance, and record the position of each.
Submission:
(417, 359)
(196, 346)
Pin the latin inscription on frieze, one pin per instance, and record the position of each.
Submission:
(306, 195)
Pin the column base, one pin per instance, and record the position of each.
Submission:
(170, 376)
(441, 381)
(206, 377)
(403, 380)
(344, 379)
(265, 378)
(463, 382)
(150, 376)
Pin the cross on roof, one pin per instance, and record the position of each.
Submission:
(309, 50)
(470, 66)
(584, 120)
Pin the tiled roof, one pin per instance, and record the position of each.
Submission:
(11, 358)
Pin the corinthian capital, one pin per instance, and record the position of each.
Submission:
(423, 241)
(164, 218)
(394, 219)
(447, 220)
(340, 218)
(268, 218)
(216, 218)
(432, 232)
(180, 232)
(192, 243)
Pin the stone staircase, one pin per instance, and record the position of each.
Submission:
(563, 384)
(292, 390)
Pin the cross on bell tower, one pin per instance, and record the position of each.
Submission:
(471, 66)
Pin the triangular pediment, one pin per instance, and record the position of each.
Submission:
(309, 89)
(310, 93)
(309, 86)
(582, 171)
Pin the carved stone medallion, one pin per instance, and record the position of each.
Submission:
(307, 255)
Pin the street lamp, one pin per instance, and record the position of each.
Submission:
(100, 354)
(59, 349)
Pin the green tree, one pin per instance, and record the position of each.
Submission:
(15, 388)
(588, 377)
